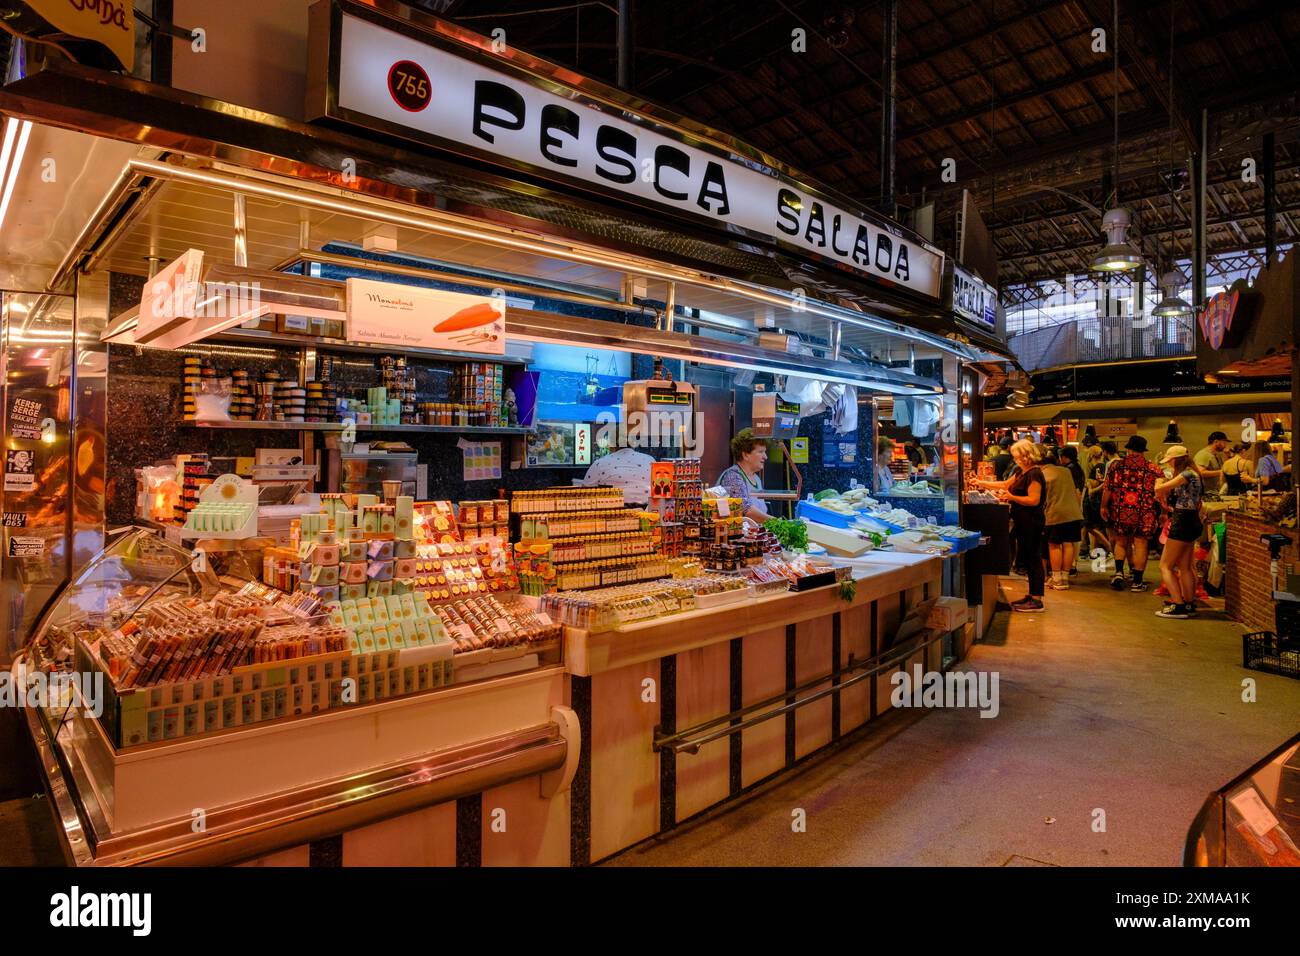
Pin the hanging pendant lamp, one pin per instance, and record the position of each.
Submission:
(1171, 434)
(1171, 303)
(1278, 434)
(1118, 255)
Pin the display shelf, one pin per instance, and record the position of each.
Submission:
(257, 337)
(577, 511)
(338, 427)
(560, 539)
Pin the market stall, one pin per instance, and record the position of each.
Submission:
(360, 611)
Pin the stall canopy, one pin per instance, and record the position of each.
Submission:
(159, 167)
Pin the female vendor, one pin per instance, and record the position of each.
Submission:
(745, 477)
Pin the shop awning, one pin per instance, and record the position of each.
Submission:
(248, 142)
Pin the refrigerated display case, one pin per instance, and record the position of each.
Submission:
(1255, 819)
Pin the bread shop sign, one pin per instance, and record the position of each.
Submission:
(386, 74)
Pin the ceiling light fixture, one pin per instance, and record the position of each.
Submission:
(1118, 255)
(9, 170)
(1171, 304)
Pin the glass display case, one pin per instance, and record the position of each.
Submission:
(134, 568)
(1255, 819)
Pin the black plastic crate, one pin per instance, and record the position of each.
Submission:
(1286, 619)
(1266, 651)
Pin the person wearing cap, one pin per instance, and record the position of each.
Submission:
(1129, 505)
(1210, 461)
(1181, 493)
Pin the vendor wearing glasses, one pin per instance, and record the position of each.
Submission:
(745, 476)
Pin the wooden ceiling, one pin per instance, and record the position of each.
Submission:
(1012, 90)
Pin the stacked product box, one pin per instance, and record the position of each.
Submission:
(480, 386)
(574, 538)
(196, 475)
(676, 488)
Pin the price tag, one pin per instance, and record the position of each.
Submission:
(1254, 810)
(799, 451)
(724, 508)
(23, 547)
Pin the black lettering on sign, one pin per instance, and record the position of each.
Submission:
(787, 211)
(714, 187)
(862, 247)
(670, 157)
(507, 108)
(835, 235)
(901, 270)
(617, 147)
(885, 249)
(815, 232)
(558, 119)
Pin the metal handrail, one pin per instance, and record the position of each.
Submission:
(1104, 339)
(684, 742)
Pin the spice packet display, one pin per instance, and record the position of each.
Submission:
(610, 608)
(549, 500)
(487, 621)
(595, 547)
(610, 572)
(189, 639)
(551, 525)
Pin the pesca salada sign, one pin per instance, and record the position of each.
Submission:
(384, 74)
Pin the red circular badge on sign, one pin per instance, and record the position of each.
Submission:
(409, 85)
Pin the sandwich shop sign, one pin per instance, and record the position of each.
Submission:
(406, 85)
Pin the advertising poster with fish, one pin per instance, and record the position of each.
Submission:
(403, 316)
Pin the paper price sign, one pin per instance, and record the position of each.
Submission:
(23, 547)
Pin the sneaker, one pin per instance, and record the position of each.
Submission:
(1138, 586)
(1117, 582)
(1073, 571)
(1173, 612)
(1162, 591)
(1189, 609)
(1059, 585)
(1030, 605)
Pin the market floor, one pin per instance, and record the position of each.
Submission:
(1103, 707)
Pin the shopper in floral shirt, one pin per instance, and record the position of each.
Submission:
(1129, 505)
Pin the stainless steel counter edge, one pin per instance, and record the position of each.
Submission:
(291, 818)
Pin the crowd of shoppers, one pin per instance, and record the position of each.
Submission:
(1116, 502)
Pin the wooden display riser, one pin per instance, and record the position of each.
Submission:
(678, 673)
